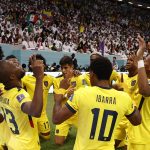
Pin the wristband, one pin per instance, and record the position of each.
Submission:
(140, 64)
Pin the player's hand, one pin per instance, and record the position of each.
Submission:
(76, 73)
(70, 91)
(37, 67)
(142, 47)
(65, 83)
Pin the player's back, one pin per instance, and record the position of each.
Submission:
(24, 135)
(99, 112)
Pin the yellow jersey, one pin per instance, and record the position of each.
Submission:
(130, 85)
(29, 82)
(99, 112)
(76, 82)
(24, 136)
(141, 134)
(4, 130)
(1, 89)
(114, 77)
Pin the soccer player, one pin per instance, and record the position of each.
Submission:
(17, 107)
(76, 82)
(100, 108)
(128, 84)
(29, 82)
(114, 76)
(4, 130)
(139, 137)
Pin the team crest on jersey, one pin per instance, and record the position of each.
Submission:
(20, 97)
(133, 82)
(57, 131)
(46, 83)
(73, 83)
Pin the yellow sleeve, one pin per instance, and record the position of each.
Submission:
(130, 106)
(86, 77)
(73, 102)
(23, 80)
(51, 80)
(58, 90)
(115, 76)
(22, 97)
(55, 83)
(1, 88)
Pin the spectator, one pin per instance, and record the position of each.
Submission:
(75, 63)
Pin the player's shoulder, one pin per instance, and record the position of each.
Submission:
(21, 94)
(48, 75)
(114, 72)
(28, 76)
(121, 95)
(118, 92)
(59, 76)
(84, 89)
(21, 91)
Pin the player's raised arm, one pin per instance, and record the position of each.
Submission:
(34, 108)
(144, 87)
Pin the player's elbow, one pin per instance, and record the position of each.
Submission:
(136, 118)
(144, 92)
(137, 121)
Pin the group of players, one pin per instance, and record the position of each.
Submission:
(100, 110)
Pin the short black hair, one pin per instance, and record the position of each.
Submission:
(10, 57)
(1, 53)
(66, 60)
(38, 57)
(102, 67)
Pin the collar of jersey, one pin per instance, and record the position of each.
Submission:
(105, 87)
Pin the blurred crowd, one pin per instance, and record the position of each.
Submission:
(73, 25)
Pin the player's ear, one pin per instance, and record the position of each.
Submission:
(12, 76)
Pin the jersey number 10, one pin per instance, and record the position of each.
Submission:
(107, 113)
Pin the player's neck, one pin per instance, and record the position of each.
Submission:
(132, 73)
(13, 84)
(103, 83)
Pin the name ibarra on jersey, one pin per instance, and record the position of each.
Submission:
(108, 100)
(4, 100)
